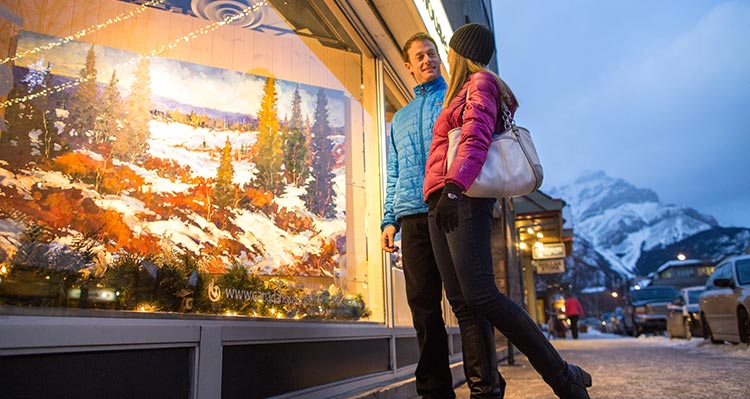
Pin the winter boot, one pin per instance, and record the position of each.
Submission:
(572, 383)
(566, 380)
(480, 361)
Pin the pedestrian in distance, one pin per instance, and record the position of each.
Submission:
(404, 209)
(460, 226)
(574, 312)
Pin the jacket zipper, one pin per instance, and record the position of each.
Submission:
(421, 131)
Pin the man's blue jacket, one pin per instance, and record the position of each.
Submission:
(410, 138)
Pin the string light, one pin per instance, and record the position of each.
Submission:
(84, 32)
(208, 28)
(192, 35)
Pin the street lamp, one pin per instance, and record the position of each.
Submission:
(681, 257)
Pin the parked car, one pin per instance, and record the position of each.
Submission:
(589, 322)
(683, 314)
(606, 323)
(725, 304)
(611, 322)
(647, 309)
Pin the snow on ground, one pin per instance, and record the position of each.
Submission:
(10, 230)
(30, 178)
(698, 343)
(741, 351)
(279, 246)
(199, 148)
(292, 198)
(129, 209)
(183, 233)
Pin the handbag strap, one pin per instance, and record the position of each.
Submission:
(508, 120)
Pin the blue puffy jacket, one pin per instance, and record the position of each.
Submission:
(410, 136)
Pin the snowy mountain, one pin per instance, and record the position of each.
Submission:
(714, 244)
(621, 221)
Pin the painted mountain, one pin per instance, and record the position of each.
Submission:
(634, 232)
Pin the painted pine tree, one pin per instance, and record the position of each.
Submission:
(109, 121)
(320, 197)
(46, 116)
(132, 139)
(268, 148)
(295, 146)
(83, 105)
(223, 193)
(308, 137)
(38, 113)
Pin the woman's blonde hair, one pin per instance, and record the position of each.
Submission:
(462, 68)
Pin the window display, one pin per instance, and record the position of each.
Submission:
(186, 156)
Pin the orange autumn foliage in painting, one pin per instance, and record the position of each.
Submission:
(77, 166)
(106, 177)
(259, 199)
(74, 207)
(292, 221)
(69, 210)
(59, 206)
(168, 168)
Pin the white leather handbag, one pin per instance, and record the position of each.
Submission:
(512, 167)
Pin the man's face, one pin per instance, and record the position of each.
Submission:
(424, 61)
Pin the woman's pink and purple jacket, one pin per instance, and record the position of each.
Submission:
(477, 122)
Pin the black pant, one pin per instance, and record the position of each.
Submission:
(424, 292)
(464, 257)
(574, 325)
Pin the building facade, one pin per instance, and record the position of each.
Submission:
(191, 196)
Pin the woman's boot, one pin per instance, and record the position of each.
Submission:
(571, 384)
(566, 380)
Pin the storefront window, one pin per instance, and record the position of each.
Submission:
(189, 156)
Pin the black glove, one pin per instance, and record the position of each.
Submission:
(446, 211)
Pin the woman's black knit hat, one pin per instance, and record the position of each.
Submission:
(475, 42)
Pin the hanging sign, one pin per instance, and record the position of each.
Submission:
(548, 251)
(437, 23)
(549, 266)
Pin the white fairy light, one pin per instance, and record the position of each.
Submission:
(192, 35)
(84, 32)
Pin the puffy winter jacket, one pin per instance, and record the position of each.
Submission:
(477, 122)
(410, 136)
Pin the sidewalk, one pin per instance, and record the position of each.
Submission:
(407, 389)
(523, 382)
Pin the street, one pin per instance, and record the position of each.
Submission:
(647, 367)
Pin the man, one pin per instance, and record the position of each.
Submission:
(404, 209)
(573, 311)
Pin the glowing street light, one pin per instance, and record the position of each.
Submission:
(681, 257)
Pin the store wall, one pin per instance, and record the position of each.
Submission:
(190, 148)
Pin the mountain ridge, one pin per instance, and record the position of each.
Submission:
(624, 223)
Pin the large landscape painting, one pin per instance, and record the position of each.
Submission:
(115, 165)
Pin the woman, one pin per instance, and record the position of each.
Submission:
(460, 226)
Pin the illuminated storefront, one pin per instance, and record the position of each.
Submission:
(190, 194)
